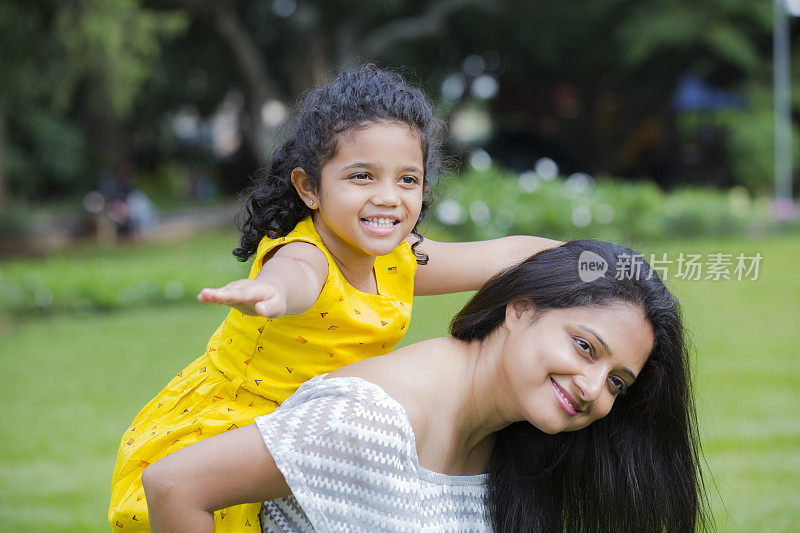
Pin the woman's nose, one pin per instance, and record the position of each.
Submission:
(590, 383)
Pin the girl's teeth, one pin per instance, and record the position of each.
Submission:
(380, 222)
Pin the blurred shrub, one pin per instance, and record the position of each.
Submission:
(485, 205)
(477, 205)
(117, 278)
(16, 220)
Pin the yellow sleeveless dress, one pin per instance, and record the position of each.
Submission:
(252, 364)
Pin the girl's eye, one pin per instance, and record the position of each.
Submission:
(409, 180)
(619, 384)
(585, 346)
(361, 176)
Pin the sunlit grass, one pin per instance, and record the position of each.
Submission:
(72, 383)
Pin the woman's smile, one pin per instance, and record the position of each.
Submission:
(564, 399)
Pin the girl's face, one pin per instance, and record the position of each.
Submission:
(564, 368)
(370, 192)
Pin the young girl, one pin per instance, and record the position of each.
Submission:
(332, 280)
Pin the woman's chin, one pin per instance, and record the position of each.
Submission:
(550, 429)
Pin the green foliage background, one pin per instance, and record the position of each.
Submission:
(88, 85)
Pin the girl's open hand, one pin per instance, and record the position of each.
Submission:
(248, 296)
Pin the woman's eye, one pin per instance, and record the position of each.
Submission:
(619, 384)
(585, 346)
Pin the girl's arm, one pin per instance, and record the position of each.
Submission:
(185, 488)
(288, 284)
(465, 266)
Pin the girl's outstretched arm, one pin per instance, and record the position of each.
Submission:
(288, 284)
(185, 488)
(465, 266)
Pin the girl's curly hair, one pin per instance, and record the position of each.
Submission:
(353, 100)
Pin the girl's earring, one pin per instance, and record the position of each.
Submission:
(310, 203)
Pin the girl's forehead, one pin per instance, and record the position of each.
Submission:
(387, 127)
(381, 140)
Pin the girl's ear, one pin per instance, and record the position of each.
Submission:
(305, 188)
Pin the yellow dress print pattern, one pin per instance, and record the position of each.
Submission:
(253, 364)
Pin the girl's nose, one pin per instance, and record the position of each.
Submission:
(386, 195)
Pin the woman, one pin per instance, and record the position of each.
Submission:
(523, 390)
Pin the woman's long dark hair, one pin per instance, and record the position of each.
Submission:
(639, 468)
(353, 100)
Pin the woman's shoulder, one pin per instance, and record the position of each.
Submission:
(352, 387)
(352, 438)
(393, 390)
(350, 397)
(407, 376)
(347, 410)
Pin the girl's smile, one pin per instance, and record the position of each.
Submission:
(381, 224)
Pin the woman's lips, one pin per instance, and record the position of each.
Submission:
(564, 399)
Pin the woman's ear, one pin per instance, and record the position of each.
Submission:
(305, 188)
(517, 312)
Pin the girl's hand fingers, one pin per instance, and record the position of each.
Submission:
(206, 296)
(237, 291)
(213, 296)
(249, 296)
(263, 309)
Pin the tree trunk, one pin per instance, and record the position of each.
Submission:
(221, 18)
(310, 50)
(3, 185)
(430, 22)
(105, 131)
(252, 73)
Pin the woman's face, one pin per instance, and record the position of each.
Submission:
(564, 368)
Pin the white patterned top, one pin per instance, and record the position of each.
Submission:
(347, 451)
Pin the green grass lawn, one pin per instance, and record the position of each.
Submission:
(71, 383)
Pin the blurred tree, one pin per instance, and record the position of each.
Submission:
(87, 83)
(278, 49)
(71, 71)
(725, 43)
(592, 84)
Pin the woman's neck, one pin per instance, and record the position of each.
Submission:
(477, 407)
(452, 395)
